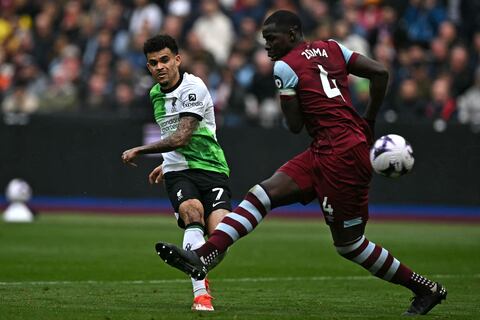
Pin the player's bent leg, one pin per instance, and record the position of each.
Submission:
(197, 263)
(192, 239)
(191, 211)
(236, 224)
(354, 246)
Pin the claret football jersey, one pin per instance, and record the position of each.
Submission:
(316, 72)
(189, 98)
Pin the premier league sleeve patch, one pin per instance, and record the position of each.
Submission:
(278, 82)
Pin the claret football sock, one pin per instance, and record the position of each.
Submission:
(236, 224)
(383, 265)
(377, 260)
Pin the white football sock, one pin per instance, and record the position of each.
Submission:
(193, 239)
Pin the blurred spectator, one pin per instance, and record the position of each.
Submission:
(98, 94)
(124, 102)
(20, 100)
(212, 18)
(410, 106)
(469, 105)
(61, 94)
(312, 12)
(248, 37)
(35, 79)
(442, 105)
(71, 20)
(343, 34)
(438, 56)
(230, 101)
(173, 26)
(146, 17)
(178, 8)
(101, 41)
(369, 18)
(460, 70)
(82, 55)
(448, 32)
(261, 104)
(242, 69)
(422, 18)
(43, 40)
(252, 9)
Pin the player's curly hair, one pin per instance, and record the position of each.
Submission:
(160, 42)
(284, 20)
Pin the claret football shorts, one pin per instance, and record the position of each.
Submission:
(340, 182)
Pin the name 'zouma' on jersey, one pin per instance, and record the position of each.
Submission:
(189, 97)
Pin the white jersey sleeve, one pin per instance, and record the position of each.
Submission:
(194, 98)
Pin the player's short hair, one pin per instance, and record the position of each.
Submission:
(160, 42)
(284, 20)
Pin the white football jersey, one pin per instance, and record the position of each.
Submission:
(189, 98)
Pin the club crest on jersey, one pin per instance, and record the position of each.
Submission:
(315, 52)
(174, 101)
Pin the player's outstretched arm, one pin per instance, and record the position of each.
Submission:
(180, 138)
(378, 75)
(291, 110)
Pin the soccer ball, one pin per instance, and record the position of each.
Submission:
(18, 190)
(392, 156)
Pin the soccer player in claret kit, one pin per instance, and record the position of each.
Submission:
(335, 169)
(194, 167)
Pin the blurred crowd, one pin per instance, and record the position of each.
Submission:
(83, 57)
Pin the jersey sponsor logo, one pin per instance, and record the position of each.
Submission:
(169, 125)
(192, 101)
(315, 52)
(193, 104)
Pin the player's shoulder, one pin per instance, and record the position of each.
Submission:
(155, 90)
(190, 80)
(192, 84)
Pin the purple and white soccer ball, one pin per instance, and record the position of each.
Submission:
(392, 156)
(18, 190)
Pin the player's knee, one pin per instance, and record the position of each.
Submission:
(215, 218)
(191, 211)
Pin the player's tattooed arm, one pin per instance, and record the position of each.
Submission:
(180, 138)
(293, 115)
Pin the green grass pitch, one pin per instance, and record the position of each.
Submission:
(74, 266)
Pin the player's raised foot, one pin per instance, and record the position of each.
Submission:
(421, 304)
(203, 303)
(185, 261)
